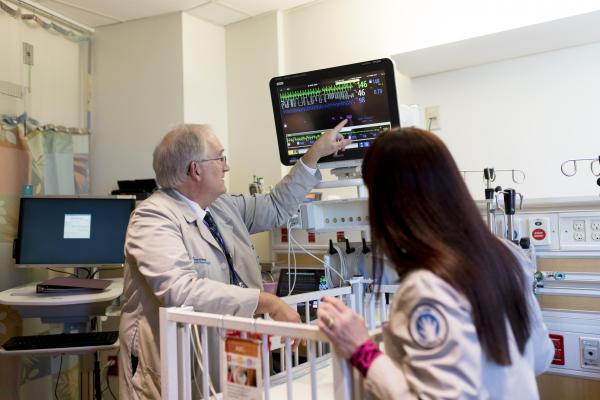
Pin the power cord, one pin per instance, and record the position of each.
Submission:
(109, 364)
(58, 378)
(102, 270)
(63, 272)
(197, 347)
(430, 122)
(291, 221)
(326, 265)
(343, 264)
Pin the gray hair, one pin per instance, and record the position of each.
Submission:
(179, 147)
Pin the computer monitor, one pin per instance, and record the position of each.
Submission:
(302, 280)
(307, 104)
(72, 231)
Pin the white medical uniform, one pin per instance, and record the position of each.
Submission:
(433, 351)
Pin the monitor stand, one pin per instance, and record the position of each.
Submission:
(353, 172)
(346, 177)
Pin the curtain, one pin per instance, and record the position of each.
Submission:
(60, 161)
(54, 160)
(15, 171)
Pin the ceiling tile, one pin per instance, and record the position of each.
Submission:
(121, 10)
(96, 13)
(218, 14)
(256, 7)
(82, 17)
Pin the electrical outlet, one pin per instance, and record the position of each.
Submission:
(596, 236)
(579, 225)
(432, 118)
(595, 224)
(579, 236)
(27, 53)
(113, 370)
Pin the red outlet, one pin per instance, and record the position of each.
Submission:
(113, 370)
(559, 349)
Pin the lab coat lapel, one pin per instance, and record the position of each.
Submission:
(191, 217)
(208, 236)
(225, 225)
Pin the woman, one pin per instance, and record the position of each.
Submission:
(464, 322)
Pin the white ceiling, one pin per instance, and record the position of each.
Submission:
(95, 13)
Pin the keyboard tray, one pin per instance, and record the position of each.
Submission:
(63, 340)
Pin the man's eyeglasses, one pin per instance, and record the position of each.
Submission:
(223, 159)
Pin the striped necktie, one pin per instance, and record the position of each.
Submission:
(234, 279)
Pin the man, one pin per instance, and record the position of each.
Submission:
(189, 245)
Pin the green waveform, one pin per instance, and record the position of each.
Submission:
(296, 139)
(321, 90)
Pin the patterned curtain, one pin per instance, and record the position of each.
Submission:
(54, 160)
(60, 160)
(15, 171)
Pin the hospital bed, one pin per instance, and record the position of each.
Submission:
(324, 375)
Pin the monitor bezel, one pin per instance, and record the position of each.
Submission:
(385, 64)
(17, 241)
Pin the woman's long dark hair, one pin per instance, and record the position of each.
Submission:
(423, 217)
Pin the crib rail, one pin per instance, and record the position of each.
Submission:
(175, 337)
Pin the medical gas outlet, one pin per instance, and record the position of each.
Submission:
(590, 352)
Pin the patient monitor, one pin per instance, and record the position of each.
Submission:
(307, 104)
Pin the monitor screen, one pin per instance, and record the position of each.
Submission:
(72, 231)
(307, 104)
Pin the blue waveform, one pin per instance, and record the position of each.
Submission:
(315, 107)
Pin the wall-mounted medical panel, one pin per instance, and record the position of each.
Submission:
(335, 215)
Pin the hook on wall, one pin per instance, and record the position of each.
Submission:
(490, 174)
(569, 167)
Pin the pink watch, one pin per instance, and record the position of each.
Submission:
(364, 356)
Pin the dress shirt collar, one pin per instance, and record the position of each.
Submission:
(200, 212)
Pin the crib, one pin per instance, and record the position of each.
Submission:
(323, 375)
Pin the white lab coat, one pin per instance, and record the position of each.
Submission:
(173, 260)
(449, 363)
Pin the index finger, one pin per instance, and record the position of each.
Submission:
(339, 126)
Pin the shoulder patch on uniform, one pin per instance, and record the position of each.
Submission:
(428, 326)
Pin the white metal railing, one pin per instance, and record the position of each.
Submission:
(308, 300)
(175, 337)
(373, 307)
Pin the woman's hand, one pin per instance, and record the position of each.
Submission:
(345, 328)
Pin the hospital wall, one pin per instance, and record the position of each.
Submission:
(253, 57)
(150, 75)
(529, 113)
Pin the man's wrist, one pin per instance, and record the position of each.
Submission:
(308, 169)
(265, 303)
(309, 160)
